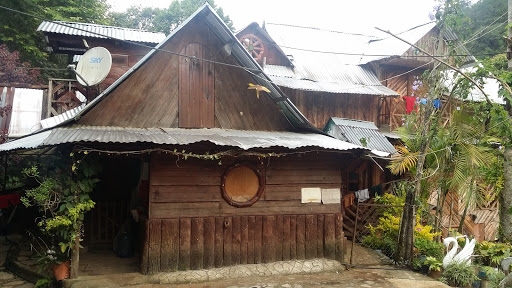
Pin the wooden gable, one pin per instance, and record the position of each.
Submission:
(173, 91)
(271, 53)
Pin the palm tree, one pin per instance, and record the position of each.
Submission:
(457, 153)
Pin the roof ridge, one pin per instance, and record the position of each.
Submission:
(106, 26)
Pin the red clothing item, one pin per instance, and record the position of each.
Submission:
(9, 200)
(410, 103)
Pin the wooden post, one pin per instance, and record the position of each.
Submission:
(354, 234)
(75, 257)
(50, 99)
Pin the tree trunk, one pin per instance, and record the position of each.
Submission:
(461, 223)
(506, 193)
(75, 257)
(506, 197)
(404, 250)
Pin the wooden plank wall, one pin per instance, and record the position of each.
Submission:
(318, 107)
(207, 232)
(124, 56)
(207, 242)
(191, 188)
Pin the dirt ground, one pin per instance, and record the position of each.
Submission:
(379, 275)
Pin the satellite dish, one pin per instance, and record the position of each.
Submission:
(93, 66)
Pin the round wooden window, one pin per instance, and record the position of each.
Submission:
(242, 185)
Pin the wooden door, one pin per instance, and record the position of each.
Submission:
(196, 86)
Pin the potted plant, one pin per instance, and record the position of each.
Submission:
(434, 267)
(62, 197)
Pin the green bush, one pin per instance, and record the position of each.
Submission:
(492, 253)
(384, 237)
(459, 275)
(494, 276)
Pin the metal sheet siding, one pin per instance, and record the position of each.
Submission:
(75, 28)
(174, 136)
(354, 130)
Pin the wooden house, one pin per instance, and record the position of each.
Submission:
(231, 176)
(126, 46)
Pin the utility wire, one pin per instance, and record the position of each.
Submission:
(474, 37)
(325, 30)
(126, 41)
(447, 147)
(238, 66)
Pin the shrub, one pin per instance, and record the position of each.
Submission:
(459, 275)
(492, 253)
(384, 237)
(494, 276)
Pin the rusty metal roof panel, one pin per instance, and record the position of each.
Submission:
(175, 136)
(349, 79)
(100, 31)
(362, 133)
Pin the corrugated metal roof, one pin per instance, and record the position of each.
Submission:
(354, 131)
(175, 136)
(326, 72)
(299, 42)
(307, 85)
(61, 118)
(350, 79)
(391, 46)
(490, 86)
(72, 28)
(343, 48)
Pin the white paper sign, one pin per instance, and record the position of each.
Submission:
(331, 196)
(311, 195)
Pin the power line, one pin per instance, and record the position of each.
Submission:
(128, 42)
(238, 66)
(325, 30)
(492, 23)
(449, 146)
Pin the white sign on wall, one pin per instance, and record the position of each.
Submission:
(311, 195)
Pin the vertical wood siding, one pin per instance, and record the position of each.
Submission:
(206, 242)
(196, 88)
(318, 107)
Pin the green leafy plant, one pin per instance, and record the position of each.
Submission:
(459, 275)
(494, 276)
(63, 199)
(433, 263)
(492, 253)
(384, 235)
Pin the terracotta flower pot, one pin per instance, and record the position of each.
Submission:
(61, 271)
(435, 274)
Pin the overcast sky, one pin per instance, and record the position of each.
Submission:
(342, 15)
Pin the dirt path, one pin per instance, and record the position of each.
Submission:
(353, 278)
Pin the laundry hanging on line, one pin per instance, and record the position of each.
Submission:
(362, 195)
(412, 102)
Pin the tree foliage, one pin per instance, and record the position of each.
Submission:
(162, 20)
(18, 31)
(482, 14)
(12, 70)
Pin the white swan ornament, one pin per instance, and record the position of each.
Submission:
(464, 256)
